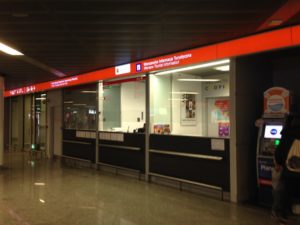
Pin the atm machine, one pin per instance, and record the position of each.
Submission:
(276, 109)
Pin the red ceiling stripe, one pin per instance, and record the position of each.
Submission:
(256, 43)
(296, 35)
(276, 39)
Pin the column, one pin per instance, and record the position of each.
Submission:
(1, 120)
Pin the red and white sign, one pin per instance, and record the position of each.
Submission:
(276, 39)
(122, 69)
(276, 101)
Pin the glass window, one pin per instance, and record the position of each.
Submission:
(191, 101)
(80, 106)
(40, 109)
(122, 105)
(17, 122)
(28, 121)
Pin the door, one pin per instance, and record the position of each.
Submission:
(40, 123)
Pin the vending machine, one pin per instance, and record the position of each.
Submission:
(276, 109)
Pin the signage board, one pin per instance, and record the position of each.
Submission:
(276, 101)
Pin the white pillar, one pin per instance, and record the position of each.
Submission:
(1, 120)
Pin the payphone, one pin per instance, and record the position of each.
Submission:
(276, 108)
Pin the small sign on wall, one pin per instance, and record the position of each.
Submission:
(218, 144)
(111, 136)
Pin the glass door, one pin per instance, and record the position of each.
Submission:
(40, 121)
(28, 121)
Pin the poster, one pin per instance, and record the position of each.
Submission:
(223, 129)
(161, 129)
(188, 110)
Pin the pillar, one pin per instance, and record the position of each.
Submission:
(1, 120)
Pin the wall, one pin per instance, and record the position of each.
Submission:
(133, 105)
(54, 99)
(250, 77)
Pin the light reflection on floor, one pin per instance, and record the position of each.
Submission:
(42, 192)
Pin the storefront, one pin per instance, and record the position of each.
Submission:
(186, 117)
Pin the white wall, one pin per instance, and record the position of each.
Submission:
(132, 105)
(55, 100)
(193, 129)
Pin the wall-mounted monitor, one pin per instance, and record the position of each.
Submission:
(273, 131)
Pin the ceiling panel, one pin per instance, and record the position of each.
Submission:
(74, 37)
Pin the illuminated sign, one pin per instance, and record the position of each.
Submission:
(165, 62)
(276, 101)
(123, 69)
(276, 39)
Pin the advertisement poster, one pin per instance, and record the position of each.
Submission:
(224, 129)
(276, 101)
(161, 129)
(222, 117)
(188, 110)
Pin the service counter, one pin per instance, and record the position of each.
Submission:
(199, 160)
(79, 144)
(126, 150)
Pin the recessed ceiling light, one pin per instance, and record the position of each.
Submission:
(39, 184)
(89, 92)
(9, 50)
(185, 92)
(223, 68)
(277, 22)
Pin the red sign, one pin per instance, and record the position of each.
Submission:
(276, 101)
(269, 40)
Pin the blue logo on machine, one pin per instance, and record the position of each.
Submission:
(273, 131)
(138, 67)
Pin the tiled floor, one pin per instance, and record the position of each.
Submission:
(88, 197)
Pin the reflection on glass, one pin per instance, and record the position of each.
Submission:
(28, 122)
(122, 105)
(40, 105)
(191, 102)
(16, 122)
(80, 107)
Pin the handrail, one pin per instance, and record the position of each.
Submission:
(187, 181)
(121, 147)
(77, 142)
(190, 155)
(75, 158)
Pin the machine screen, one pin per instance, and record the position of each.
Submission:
(273, 131)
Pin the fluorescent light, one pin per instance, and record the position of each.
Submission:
(277, 22)
(223, 68)
(185, 92)
(93, 92)
(39, 184)
(177, 99)
(9, 50)
(42, 201)
(43, 94)
(195, 67)
(200, 80)
(40, 98)
(68, 102)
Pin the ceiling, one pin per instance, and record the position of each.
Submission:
(64, 38)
